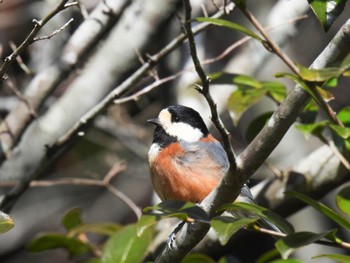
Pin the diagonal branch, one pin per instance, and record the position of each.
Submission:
(258, 150)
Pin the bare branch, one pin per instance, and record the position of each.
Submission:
(57, 31)
(30, 38)
(105, 182)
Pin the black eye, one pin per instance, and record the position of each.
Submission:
(175, 118)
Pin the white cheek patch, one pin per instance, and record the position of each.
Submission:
(180, 130)
(183, 131)
(153, 152)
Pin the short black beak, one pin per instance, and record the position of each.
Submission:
(154, 121)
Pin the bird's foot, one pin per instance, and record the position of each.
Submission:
(172, 238)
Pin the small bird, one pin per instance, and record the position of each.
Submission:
(186, 161)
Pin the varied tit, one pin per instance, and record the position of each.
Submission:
(186, 161)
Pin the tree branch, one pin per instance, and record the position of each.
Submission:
(74, 53)
(25, 167)
(30, 38)
(258, 150)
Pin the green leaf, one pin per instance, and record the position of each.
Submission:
(344, 115)
(246, 80)
(343, 200)
(226, 226)
(289, 244)
(197, 258)
(243, 98)
(72, 218)
(222, 77)
(318, 75)
(268, 256)
(126, 247)
(336, 217)
(343, 132)
(230, 25)
(261, 213)
(327, 11)
(325, 94)
(6, 223)
(107, 229)
(275, 89)
(46, 241)
(336, 257)
(345, 65)
(312, 129)
(185, 211)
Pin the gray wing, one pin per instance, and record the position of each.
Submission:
(206, 154)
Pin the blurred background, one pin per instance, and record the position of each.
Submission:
(57, 80)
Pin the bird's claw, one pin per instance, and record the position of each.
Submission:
(171, 241)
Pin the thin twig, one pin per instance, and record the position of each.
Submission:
(23, 98)
(282, 235)
(20, 61)
(246, 39)
(57, 31)
(105, 182)
(38, 24)
(205, 86)
(131, 81)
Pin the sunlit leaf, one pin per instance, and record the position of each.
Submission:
(246, 80)
(327, 11)
(326, 95)
(226, 226)
(343, 200)
(318, 75)
(230, 25)
(96, 228)
(336, 217)
(125, 246)
(343, 132)
(345, 64)
(275, 89)
(46, 241)
(72, 218)
(243, 98)
(289, 244)
(335, 257)
(197, 258)
(332, 82)
(260, 212)
(312, 129)
(344, 115)
(222, 77)
(6, 222)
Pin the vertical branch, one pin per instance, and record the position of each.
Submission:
(204, 90)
